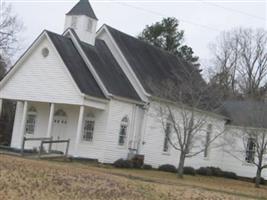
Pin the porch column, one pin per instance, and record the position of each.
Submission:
(50, 120)
(1, 107)
(79, 130)
(23, 122)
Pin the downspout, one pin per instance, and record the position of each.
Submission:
(144, 123)
(133, 127)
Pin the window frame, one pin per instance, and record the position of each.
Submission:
(124, 124)
(60, 117)
(250, 150)
(88, 134)
(31, 126)
(74, 22)
(89, 25)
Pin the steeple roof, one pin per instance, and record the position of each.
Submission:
(83, 7)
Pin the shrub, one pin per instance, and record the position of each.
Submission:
(205, 171)
(167, 168)
(262, 181)
(137, 161)
(230, 175)
(216, 171)
(123, 164)
(189, 171)
(146, 166)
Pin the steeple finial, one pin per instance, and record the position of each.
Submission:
(83, 7)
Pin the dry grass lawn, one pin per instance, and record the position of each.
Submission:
(39, 179)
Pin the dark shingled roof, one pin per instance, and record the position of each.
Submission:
(245, 113)
(152, 65)
(76, 66)
(83, 7)
(109, 70)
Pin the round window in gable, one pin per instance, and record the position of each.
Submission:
(45, 52)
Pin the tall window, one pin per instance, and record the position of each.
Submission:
(89, 125)
(208, 136)
(89, 25)
(250, 150)
(123, 130)
(74, 20)
(166, 144)
(31, 121)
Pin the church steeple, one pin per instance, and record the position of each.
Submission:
(83, 20)
(83, 7)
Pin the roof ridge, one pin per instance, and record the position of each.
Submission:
(155, 47)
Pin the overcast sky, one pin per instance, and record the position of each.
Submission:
(202, 21)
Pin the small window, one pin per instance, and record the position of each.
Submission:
(31, 121)
(207, 142)
(123, 131)
(74, 20)
(45, 52)
(60, 113)
(89, 25)
(250, 150)
(166, 144)
(88, 129)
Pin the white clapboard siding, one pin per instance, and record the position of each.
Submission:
(154, 140)
(230, 163)
(117, 111)
(42, 79)
(95, 148)
(41, 123)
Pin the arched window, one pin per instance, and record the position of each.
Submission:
(123, 130)
(60, 113)
(60, 117)
(88, 128)
(89, 25)
(250, 150)
(74, 20)
(31, 120)
(168, 130)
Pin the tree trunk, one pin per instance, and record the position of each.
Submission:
(180, 171)
(258, 177)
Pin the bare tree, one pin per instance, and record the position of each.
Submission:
(240, 61)
(10, 27)
(248, 143)
(2, 67)
(186, 119)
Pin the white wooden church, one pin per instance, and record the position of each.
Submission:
(94, 87)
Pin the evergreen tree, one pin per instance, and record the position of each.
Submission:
(166, 35)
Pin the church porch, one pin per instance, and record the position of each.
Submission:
(82, 124)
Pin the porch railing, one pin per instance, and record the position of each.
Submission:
(25, 139)
(45, 140)
(50, 142)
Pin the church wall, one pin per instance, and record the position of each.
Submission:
(42, 79)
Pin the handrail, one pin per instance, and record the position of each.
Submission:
(32, 139)
(54, 141)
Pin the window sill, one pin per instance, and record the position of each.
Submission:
(29, 134)
(247, 164)
(121, 147)
(86, 142)
(166, 153)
